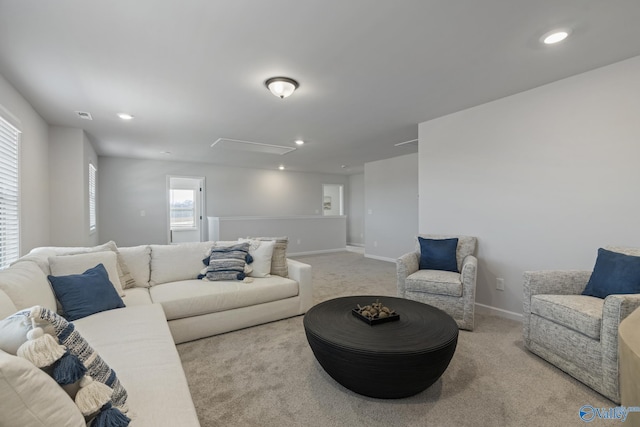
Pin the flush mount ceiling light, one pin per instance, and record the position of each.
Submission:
(555, 36)
(125, 116)
(299, 142)
(281, 167)
(281, 87)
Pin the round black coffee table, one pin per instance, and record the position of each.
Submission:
(388, 360)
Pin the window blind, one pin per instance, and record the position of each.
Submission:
(92, 198)
(9, 194)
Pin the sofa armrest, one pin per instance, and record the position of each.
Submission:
(554, 282)
(406, 265)
(616, 309)
(301, 273)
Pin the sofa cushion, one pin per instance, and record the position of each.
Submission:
(138, 259)
(194, 297)
(31, 398)
(136, 296)
(578, 312)
(82, 295)
(7, 307)
(170, 263)
(614, 273)
(64, 265)
(435, 282)
(26, 284)
(438, 254)
(138, 345)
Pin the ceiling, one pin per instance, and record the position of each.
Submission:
(193, 71)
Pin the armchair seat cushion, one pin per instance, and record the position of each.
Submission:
(435, 282)
(577, 312)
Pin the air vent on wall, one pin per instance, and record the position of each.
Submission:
(84, 115)
(256, 147)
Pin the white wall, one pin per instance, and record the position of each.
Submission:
(355, 210)
(128, 186)
(542, 178)
(70, 152)
(391, 206)
(34, 167)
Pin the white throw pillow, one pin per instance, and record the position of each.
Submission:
(26, 285)
(261, 252)
(138, 259)
(126, 280)
(279, 265)
(64, 265)
(32, 398)
(171, 263)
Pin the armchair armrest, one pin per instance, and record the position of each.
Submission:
(406, 265)
(616, 309)
(554, 282)
(469, 272)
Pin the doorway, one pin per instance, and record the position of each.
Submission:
(332, 199)
(185, 196)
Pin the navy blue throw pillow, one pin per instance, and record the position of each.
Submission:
(438, 254)
(614, 273)
(84, 294)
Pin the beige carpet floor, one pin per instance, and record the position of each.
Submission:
(268, 376)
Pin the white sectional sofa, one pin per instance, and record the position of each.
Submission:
(166, 305)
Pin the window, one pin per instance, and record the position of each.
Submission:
(182, 208)
(9, 194)
(92, 199)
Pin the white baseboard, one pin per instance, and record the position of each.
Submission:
(323, 251)
(494, 311)
(359, 245)
(380, 258)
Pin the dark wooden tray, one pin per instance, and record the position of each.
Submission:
(391, 318)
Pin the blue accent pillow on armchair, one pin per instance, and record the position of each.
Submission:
(438, 254)
(84, 294)
(614, 273)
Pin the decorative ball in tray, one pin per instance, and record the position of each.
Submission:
(375, 313)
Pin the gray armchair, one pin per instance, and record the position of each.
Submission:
(576, 333)
(454, 293)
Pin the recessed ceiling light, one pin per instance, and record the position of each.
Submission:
(125, 116)
(299, 142)
(555, 36)
(281, 167)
